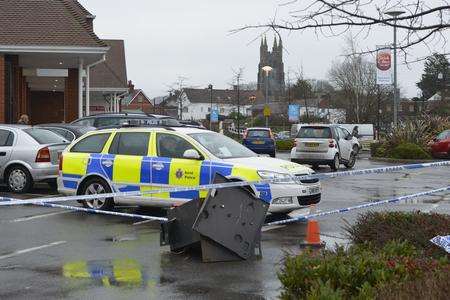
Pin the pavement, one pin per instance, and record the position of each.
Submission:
(52, 253)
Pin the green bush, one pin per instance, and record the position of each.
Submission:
(409, 151)
(391, 258)
(417, 228)
(379, 150)
(356, 273)
(284, 145)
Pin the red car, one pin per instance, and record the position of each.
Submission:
(440, 146)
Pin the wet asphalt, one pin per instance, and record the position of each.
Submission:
(52, 253)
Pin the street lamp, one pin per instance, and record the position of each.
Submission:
(395, 14)
(267, 70)
(210, 87)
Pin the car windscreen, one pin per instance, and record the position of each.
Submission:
(169, 122)
(221, 146)
(44, 136)
(309, 132)
(258, 134)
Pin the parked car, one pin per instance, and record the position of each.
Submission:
(29, 155)
(325, 145)
(131, 159)
(68, 131)
(109, 120)
(440, 146)
(260, 140)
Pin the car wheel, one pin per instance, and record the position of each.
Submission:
(53, 185)
(273, 154)
(97, 186)
(335, 164)
(352, 161)
(19, 179)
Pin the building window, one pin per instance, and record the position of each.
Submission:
(411, 108)
(201, 109)
(140, 99)
(185, 109)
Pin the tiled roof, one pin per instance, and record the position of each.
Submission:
(113, 72)
(45, 23)
(219, 96)
(129, 98)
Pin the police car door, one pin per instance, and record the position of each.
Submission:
(131, 169)
(171, 168)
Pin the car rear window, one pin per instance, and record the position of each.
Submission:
(314, 133)
(258, 134)
(91, 144)
(44, 136)
(130, 143)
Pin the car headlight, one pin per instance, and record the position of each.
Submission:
(282, 177)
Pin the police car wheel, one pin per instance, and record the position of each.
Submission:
(97, 186)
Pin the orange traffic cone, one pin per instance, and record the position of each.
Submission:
(313, 234)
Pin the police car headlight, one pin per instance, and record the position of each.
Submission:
(282, 178)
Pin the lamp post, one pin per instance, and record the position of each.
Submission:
(210, 87)
(267, 70)
(395, 14)
(441, 83)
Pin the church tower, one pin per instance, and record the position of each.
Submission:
(274, 59)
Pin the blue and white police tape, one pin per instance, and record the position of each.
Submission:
(4, 201)
(281, 222)
(442, 241)
(361, 206)
(103, 212)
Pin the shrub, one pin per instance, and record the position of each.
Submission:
(353, 274)
(409, 151)
(379, 150)
(284, 145)
(417, 228)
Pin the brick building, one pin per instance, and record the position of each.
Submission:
(45, 49)
(137, 101)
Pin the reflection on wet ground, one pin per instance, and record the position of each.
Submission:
(108, 257)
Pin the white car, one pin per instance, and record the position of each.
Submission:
(325, 145)
(135, 159)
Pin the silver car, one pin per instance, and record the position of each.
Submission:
(28, 155)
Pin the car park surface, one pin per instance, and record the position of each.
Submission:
(96, 256)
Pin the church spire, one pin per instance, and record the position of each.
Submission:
(275, 46)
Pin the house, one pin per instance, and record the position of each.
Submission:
(196, 104)
(108, 80)
(137, 101)
(46, 48)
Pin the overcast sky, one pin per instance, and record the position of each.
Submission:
(165, 39)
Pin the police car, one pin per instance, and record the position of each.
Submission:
(142, 159)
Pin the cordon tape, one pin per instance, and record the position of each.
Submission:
(5, 201)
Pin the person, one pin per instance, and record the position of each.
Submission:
(355, 131)
(23, 120)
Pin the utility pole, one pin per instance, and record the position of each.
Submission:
(210, 87)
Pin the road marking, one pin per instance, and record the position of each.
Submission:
(38, 216)
(264, 229)
(19, 252)
(143, 222)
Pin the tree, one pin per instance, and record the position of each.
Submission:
(430, 83)
(177, 89)
(422, 23)
(355, 79)
(302, 89)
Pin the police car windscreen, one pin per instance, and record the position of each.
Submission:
(221, 146)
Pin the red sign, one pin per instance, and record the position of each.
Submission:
(384, 61)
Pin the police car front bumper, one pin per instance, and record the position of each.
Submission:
(289, 197)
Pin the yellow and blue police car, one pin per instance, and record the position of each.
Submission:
(142, 159)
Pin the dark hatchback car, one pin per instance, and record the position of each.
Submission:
(69, 131)
(108, 120)
(260, 140)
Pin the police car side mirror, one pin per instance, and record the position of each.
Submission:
(191, 154)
